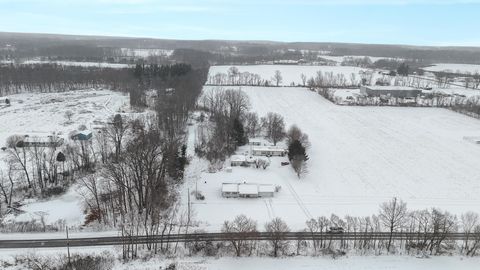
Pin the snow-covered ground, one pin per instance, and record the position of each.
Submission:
(359, 158)
(79, 64)
(255, 263)
(44, 114)
(290, 73)
(455, 68)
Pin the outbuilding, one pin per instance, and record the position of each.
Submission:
(83, 135)
(392, 91)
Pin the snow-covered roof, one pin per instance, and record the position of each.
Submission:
(238, 158)
(266, 188)
(229, 187)
(248, 189)
(85, 132)
(390, 88)
(266, 148)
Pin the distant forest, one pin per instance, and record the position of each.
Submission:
(108, 49)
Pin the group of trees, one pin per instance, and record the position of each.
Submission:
(427, 232)
(57, 78)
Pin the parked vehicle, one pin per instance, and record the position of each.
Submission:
(336, 230)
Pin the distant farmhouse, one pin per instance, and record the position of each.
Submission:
(392, 91)
(83, 135)
(40, 141)
(268, 151)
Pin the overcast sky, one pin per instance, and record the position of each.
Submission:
(417, 22)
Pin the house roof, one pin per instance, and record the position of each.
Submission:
(229, 187)
(248, 189)
(266, 188)
(274, 149)
(239, 158)
(391, 88)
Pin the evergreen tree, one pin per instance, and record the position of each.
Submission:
(238, 133)
(296, 150)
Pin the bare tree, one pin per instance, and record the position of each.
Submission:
(294, 133)
(277, 229)
(469, 222)
(252, 124)
(393, 215)
(274, 127)
(238, 230)
(277, 77)
(303, 77)
(69, 115)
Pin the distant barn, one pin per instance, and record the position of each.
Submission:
(392, 91)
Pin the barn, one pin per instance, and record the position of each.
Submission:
(392, 91)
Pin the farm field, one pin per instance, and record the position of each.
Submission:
(456, 68)
(290, 73)
(359, 158)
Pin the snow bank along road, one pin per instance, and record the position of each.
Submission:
(359, 158)
(118, 240)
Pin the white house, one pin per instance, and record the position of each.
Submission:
(268, 151)
(266, 190)
(248, 190)
(229, 190)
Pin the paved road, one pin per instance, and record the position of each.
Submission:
(117, 240)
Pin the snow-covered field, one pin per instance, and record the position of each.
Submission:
(360, 157)
(290, 73)
(455, 68)
(44, 113)
(79, 64)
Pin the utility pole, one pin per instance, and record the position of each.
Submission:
(68, 249)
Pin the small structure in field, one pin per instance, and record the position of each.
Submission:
(241, 160)
(268, 151)
(392, 91)
(41, 141)
(83, 135)
(255, 142)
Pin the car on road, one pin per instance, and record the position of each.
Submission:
(336, 230)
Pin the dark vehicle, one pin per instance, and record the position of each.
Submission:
(335, 230)
(284, 163)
